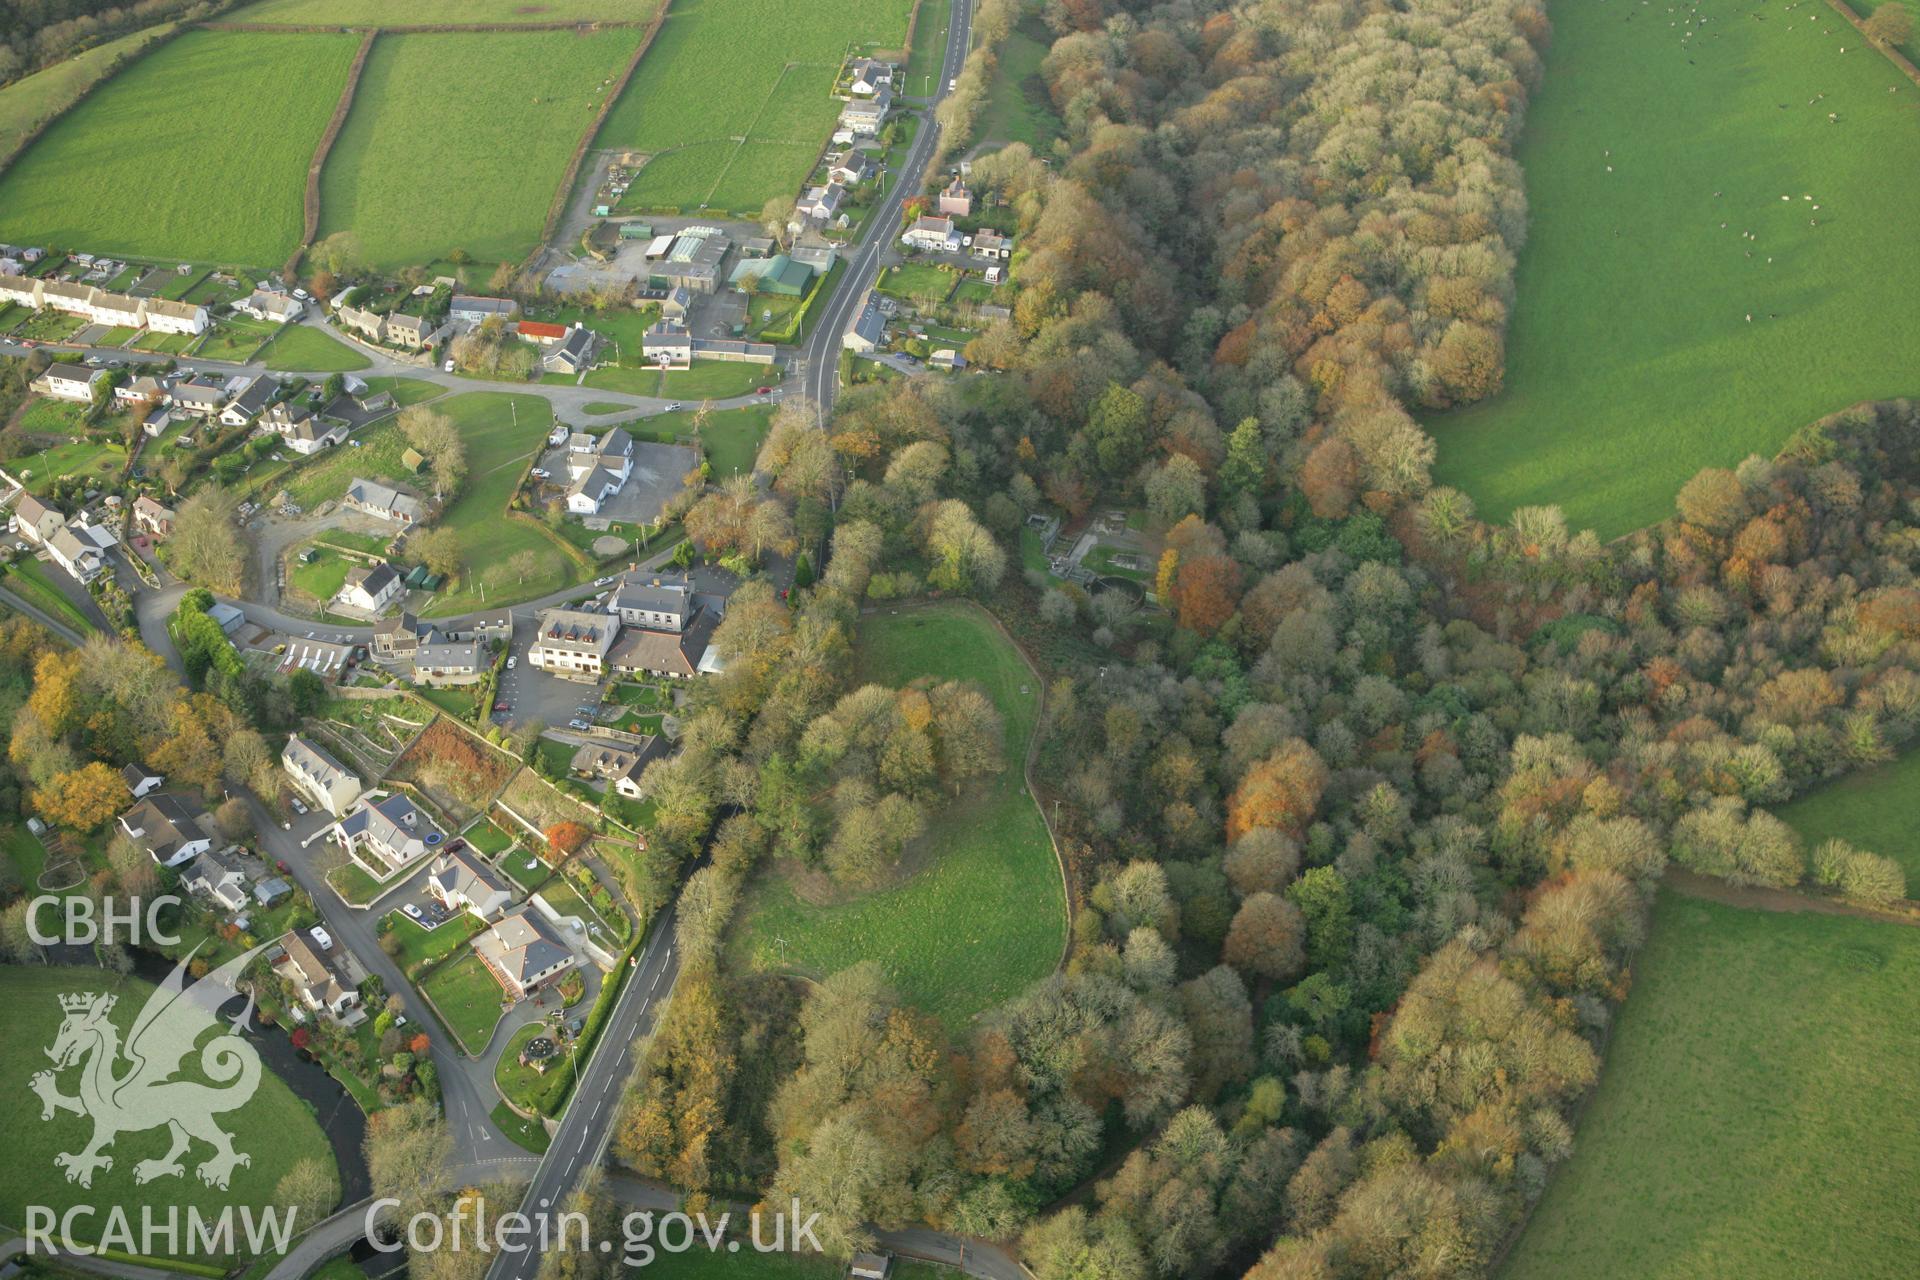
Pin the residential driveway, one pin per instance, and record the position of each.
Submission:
(534, 695)
(657, 473)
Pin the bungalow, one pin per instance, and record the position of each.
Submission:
(853, 168)
(522, 953)
(464, 883)
(667, 344)
(145, 388)
(387, 834)
(868, 76)
(164, 315)
(302, 431)
(658, 604)
(275, 308)
(35, 521)
(140, 780)
(868, 330)
(933, 235)
(619, 766)
(150, 517)
(991, 244)
(324, 780)
(219, 877)
(955, 199)
(573, 642)
(663, 653)
(81, 549)
(250, 403)
(320, 981)
(383, 501)
(202, 398)
(593, 487)
(171, 828)
(572, 354)
(468, 309)
(371, 588)
(820, 205)
(69, 382)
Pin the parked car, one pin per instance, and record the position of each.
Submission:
(299, 808)
(321, 938)
(672, 405)
(578, 724)
(764, 391)
(539, 473)
(603, 582)
(512, 662)
(414, 911)
(501, 708)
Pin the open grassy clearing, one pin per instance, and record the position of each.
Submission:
(1018, 107)
(436, 12)
(731, 437)
(26, 102)
(1631, 361)
(198, 151)
(982, 917)
(300, 349)
(1872, 809)
(274, 1128)
(458, 140)
(1754, 1116)
(929, 46)
(724, 70)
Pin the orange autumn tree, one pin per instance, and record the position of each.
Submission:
(82, 799)
(566, 838)
(1281, 791)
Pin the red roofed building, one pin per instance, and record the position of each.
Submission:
(538, 331)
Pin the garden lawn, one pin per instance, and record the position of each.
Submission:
(26, 102)
(1631, 359)
(1872, 809)
(235, 338)
(523, 1084)
(917, 283)
(321, 578)
(1754, 1117)
(436, 12)
(219, 127)
(530, 1134)
(420, 946)
(301, 349)
(406, 391)
(732, 98)
(983, 916)
(468, 1000)
(274, 1128)
(96, 459)
(513, 106)
(732, 437)
(502, 432)
(1019, 108)
(327, 474)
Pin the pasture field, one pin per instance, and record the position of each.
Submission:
(1754, 1117)
(725, 70)
(436, 12)
(274, 1128)
(1872, 809)
(1674, 310)
(26, 102)
(502, 431)
(982, 917)
(512, 106)
(1018, 107)
(300, 349)
(197, 152)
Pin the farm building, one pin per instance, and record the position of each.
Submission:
(779, 276)
(693, 261)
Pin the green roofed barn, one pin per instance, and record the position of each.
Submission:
(778, 275)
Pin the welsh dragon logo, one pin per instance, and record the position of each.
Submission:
(131, 1088)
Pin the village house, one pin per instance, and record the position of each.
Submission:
(667, 344)
(676, 304)
(164, 315)
(81, 549)
(442, 660)
(140, 780)
(386, 835)
(664, 653)
(35, 520)
(868, 331)
(591, 488)
(464, 883)
(275, 308)
(819, 206)
(170, 828)
(522, 953)
(932, 235)
(864, 117)
(368, 324)
(618, 765)
(853, 168)
(371, 588)
(321, 982)
(410, 332)
(69, 382)
(150, 517)
(573, 354)
(573, 642)
(470, 310)
(21, 290)
(383, 501)
(322, 779)
(955, 200)
(867, 77)
(200, 398)
(300, 429)
(250, 403)
(656, 603)
(143, 388)
(218, 877)
(991, 244)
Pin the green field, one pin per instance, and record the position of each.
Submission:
(198, 151)
(320, 578)
(1872, 810)
(26, 102)
(468, 1000)
(502, 431)
(1018, 107)
(731, 437)
(1631, 362)
(1754, 1117)
(300, 349)
(274, 1128)
(458, 141)
(917, 282)
(929, 47)
(734, 140)
(983, 917)
(434, 12)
